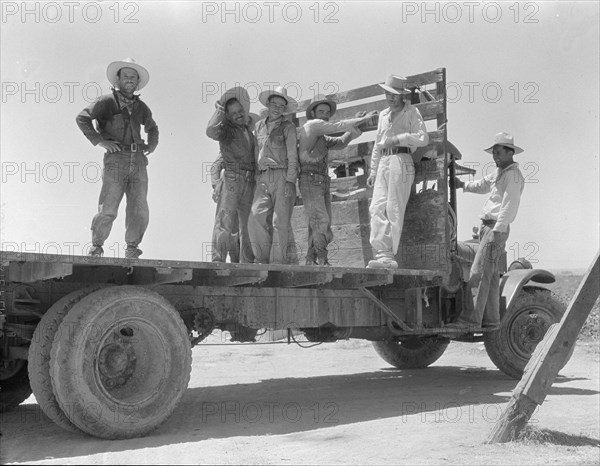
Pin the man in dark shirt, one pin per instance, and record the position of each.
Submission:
(230, 126)
(119, 117)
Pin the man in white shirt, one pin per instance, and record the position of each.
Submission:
(504, 186)
(400, 131)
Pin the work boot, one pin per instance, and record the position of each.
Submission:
(96, 251)
(132, 252)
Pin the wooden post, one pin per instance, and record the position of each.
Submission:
(547, 360)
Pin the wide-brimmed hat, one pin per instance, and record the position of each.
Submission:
(396, 85)
(321, 99)
(279, 91)
(238, 93)
(114, 67)
(504, 139)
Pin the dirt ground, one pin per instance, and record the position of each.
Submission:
(336, 403)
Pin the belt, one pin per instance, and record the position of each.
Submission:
(395, 150)
(262, 170)
(132, 147)
(488, 222)
(246, 174)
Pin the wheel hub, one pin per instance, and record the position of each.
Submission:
(116, 364)
(529, 329)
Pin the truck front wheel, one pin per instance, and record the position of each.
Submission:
(412, 352)
(120, 362)
(522, 328)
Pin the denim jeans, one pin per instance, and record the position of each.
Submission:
(316, 197)
(233, 210)
(482, 302)
(269, 224)
(124, 174)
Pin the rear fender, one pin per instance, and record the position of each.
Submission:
(513, 282)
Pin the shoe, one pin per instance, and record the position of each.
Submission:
(325, 263)
(132, 252)
(96, 251)
(310, 262)
(382, 264)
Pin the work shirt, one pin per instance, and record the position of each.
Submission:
(237, 143)
(505, 187)
(407, 124)
(118, 123)
(315, 144)
(277, 147)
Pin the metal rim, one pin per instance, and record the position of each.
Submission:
(526, 328)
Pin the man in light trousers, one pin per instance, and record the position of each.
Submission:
(400, 131)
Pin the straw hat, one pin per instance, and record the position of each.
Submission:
(114, 67)
(504, 139)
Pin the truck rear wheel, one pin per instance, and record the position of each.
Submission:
(121, 362)
(522, 328)
(412, 352)
(14, 384)
(39, 357)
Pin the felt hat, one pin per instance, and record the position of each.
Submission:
(504, 139)
(114, 67)
(396, 85)
(238, 93)
(279, 91)
(321, 99)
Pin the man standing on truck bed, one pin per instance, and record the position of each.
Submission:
(237, 143)
(119, 117)
(275, 194)
(314, 177)
(482, 307)
(400, 131)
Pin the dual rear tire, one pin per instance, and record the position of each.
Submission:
(113, 363)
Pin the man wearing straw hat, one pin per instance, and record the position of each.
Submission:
(314, 145)
(119, 117)
(400, 131)
(229, 126)
(277, 164)
(505, 186)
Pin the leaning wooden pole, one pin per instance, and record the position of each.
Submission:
(547, 360)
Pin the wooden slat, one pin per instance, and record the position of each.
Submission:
(428, 110)
(429, 77)
(365, 92)
(346, 96)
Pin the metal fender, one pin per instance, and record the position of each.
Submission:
(512, 282)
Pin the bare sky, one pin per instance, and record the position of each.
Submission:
(528, 68)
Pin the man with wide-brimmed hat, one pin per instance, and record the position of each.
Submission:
(314, 146)
(505, 186)
(400, 131)
(275, 194)
(230, 125)
(119, 117)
